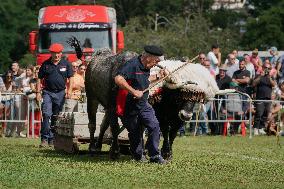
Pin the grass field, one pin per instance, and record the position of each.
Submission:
(200, 162)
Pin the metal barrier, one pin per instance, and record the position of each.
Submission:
(19, 110)
(214, 113)
(17, 114)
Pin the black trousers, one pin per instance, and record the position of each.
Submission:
(262, 110)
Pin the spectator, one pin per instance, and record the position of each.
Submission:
(256, 61)
(2, 85)
(280, 69)
(249, 66)
(232, 108)
(15, 68)
(275, 108)
(35, 96)
(275, 58)
(25, 81)
(235, 53)
(222, 79)
(82, 69)
(241, 77)
(202, 58)
(214, 56)
(273, 71)
(76, 85)
(280, 91)
(232, 66)
(8, 81)
(206, 64)
(263, 84)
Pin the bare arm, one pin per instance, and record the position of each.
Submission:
(122, 83)
(272, 82)
(241, 81)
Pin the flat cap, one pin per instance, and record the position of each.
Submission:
(223, 67)
(153, 50)
(56, 47)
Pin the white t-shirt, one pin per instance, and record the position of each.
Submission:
(213, 62)
(250, 68)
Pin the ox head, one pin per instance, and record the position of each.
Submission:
(193, 83)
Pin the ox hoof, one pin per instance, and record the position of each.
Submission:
(94, 148)
(114, 154)
(167, 155)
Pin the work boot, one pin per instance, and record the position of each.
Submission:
(158, 159)
(43, 144)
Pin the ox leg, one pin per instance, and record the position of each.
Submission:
(114, 126)
(172, 135)
(165, 150)
(92, 106)
(103, 127)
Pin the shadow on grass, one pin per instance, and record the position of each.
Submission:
(83, 156)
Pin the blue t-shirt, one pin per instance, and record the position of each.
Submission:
(55, 75)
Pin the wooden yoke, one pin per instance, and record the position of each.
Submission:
(171, 73)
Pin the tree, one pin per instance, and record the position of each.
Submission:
(173, 38)
(16, 21)
(266, 30)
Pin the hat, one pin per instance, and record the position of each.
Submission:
(273, 49)
(223, 67)
(56, 47)
(255, 51)
(153, 50)
(233, 84)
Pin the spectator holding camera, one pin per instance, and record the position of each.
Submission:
(263, 84)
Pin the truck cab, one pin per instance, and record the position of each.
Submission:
(93, 25)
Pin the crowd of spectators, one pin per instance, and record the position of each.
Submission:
(262, 78)
(20, 85)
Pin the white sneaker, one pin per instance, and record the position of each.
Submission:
(255, 132)
(262, 132)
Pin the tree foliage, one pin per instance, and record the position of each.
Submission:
(266, 30)
(181, 27)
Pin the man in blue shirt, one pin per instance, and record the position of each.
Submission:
(54, 73)
(134, 76)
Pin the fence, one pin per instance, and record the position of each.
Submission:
(18, 111)
(234, 108)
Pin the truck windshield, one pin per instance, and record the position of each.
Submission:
(95, 39)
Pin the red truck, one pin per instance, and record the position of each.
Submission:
(94, 26)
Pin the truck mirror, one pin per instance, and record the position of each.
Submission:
(120, 41)
(32, 41)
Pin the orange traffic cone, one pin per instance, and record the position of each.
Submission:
(243, 128)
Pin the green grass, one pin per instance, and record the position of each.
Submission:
(200, 162)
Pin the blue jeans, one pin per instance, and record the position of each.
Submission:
(51, 106)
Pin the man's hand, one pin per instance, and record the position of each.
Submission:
(137, 94)
(164, 72)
